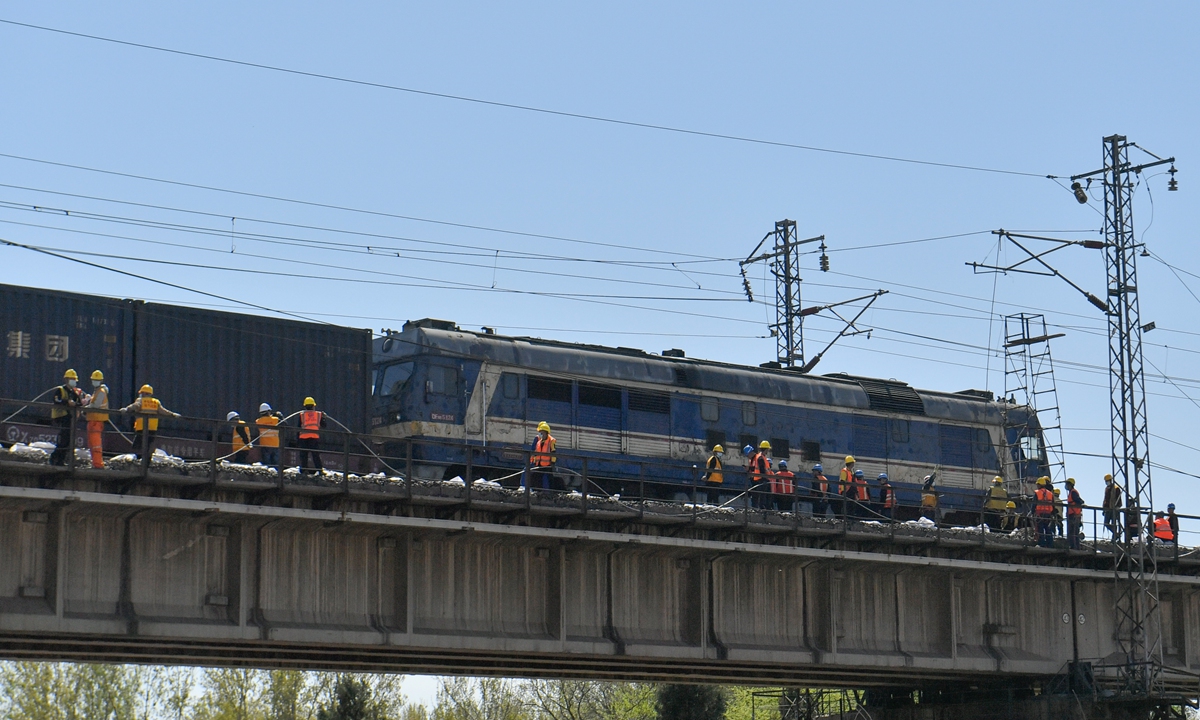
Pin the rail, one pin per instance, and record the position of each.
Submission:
(197, 453)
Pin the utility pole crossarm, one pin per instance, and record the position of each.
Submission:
(845, 330)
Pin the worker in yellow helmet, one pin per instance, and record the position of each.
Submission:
(542, 459)
(714, 474)
(311, 422)
(97, 404)
(845, 482)
(67, 397)
(758, 475)
(1011, 518)
(994, 503)
(1112, 506)
(148, 410)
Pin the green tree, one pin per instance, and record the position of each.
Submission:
(584, 700)
(690, 702)
(482, 699)
(231, 694)
(283, 695)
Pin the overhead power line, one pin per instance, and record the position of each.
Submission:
(523, 108)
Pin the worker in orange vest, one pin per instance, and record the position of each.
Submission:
(1162, 528)
(857, 495)
(543, 459)
(1043, 511)
(312, 421)
(97, 404)
(145, 423)
(783, 485)
(758, 475)
(820, 491)
(887, 498)
(268, 434)
(1074, 514)
(845, 481)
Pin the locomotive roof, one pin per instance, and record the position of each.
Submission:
(619, 364)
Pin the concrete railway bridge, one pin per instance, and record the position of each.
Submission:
(167, 567)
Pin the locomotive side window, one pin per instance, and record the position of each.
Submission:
(650, 402)
(811, 451)
(714, 437)
(983, 440)
(600, 396)
(749, 413)
(780, 448)
(510, 385)
(442, 380)
(899, 430)
(710, 409)
(393, 378)
(549, 389)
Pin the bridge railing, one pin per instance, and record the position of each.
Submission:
(199, 451)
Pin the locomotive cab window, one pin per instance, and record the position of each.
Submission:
(1031, 449)
(393, 379)
(983, 440)
(442, 380)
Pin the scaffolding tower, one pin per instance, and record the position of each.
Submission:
(1029, 379)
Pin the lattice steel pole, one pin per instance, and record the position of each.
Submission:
(789, 335)
(1138, 628)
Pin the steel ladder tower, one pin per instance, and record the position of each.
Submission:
(1029, 376)
(789, 336)
(1138, 627)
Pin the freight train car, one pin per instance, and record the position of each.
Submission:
(616, 406)
(202, 363)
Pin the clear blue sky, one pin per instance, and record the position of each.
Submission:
(1027, 87)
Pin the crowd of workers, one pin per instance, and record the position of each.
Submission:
(850, 496)
(69, 400)
(769, 486)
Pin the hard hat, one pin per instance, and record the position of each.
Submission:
(145, 390)
(764, 445)
(309, 402)
(858, 473)
(264, 408)
(747, 450)
(997, 480)
(1108, 478)
(718, 448)
(70, 375)
(97, 375)
(1041, 481)
(1171, 506)
(882, 477)
(783, 464)
(232, 414)
(818, 468)
(1010, 505)
(543, 426)
(849, 459)
(1057, 491)
(1071, 482)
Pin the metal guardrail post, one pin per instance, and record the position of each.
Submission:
(74, 418)
(408, 469)
(641, 489)
(212, 463)
(346, 461)
(527, 481)
(583, 490)
(467, 482)
(145, 458)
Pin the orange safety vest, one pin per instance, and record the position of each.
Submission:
(1162, 529)
(268, 435)
(149, 406)
(1074, 503)
(543, 451)
(821, 482)
(845, 480)
(888, 496)
(781, 482)
(238, 441)
(759, 468)
(715, 471)
(860, 486)
(1045, 502)
(310, 424)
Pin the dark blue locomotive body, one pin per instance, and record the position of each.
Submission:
(629, 413)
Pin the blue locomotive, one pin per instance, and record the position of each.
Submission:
(622, 408)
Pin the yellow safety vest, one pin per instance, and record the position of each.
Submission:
(268, 435)
(714, 467)
(100, 401)
(238, 442)
(149, 406)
